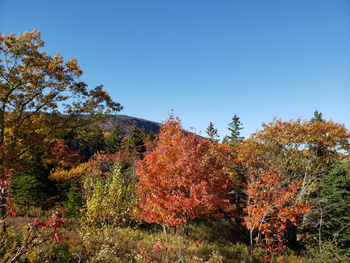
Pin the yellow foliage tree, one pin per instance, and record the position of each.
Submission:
(34, 91)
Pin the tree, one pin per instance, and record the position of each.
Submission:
(91, 141)
(34, 87)
(61, 159)
(212, 133)
(271, 204)
(74, 202)
(33, 187)
(235, 127)
(115, 140)
(151, 136)
(136, 143)
(329, 221)
(317, 116)
(177, 180)
(291, 146)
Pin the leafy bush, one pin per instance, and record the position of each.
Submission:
(109, 200)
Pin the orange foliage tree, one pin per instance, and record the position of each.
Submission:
(303, 150)
(271, 204)
(62, 158)
(177, 180)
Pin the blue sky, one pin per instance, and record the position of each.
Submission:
(207, 60)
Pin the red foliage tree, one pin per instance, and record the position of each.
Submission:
(271, 203)
(178, 180)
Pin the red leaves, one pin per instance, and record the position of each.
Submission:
(52, 223)
(176, 179)
(56, 236)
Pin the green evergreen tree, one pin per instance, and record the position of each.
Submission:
(317, 116)
(335, 204)
(151, 136)
(212, 133)
(116, 140)
(74, 200)
(87, 140)
(226, 139)
(136, 141)
(33, 188)
(91, 142)
(320, 149)
(328, 224)
(136, 147)
(234, 127)
(143, 133)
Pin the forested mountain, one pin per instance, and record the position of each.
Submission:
(126, 122)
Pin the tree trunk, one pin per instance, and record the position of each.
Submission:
(291, 235)
(251, 246)
(3, 203)
(165, 233)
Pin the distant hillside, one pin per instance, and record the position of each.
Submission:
(126, 122)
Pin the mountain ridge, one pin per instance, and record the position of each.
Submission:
(126, 122)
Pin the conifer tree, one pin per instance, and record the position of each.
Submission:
(225, 139)
(135, 141)
(319, 149)
(93, 143)
(136, 147)
(317, 116)
(151, 136)
(212, 133)
(74, 202)
(235, 127)
(33, 188)
(115, 141)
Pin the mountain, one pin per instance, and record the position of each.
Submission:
(127, 122)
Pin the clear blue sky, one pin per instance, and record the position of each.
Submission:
(207, 60)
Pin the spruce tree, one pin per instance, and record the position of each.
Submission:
(136, 141)
(212, 133)
(74, 200)
(92, 143)
(136, 147)
(320, 149)
(235, 127)
(317, 116)
(33, 188)
(115, 141)
(225, 139)
(329, 221)
(151, 136)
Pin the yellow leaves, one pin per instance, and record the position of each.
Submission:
(35, 82)
(109, 200)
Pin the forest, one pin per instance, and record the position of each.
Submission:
(73, 193)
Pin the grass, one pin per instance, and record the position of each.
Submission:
(220, 241)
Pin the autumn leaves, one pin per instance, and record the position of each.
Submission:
(267, 177)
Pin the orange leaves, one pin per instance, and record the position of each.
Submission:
(176, 181)
(60, 155)
(271, 202)
(63, 160)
